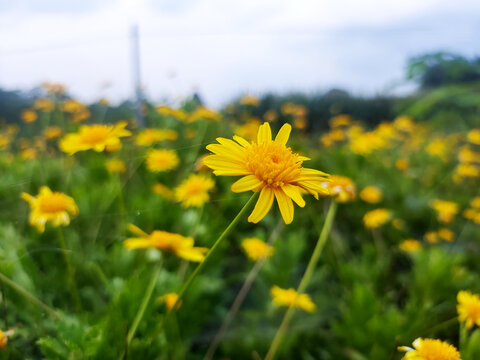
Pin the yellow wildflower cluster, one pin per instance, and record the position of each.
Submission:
(147, 137)
(473, 213)
(78, 111)
(446, 210)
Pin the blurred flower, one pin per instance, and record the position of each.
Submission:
(439, 148)
(340, 120)
(164, 241)
(161, 160)
(249, 130)
(446, 234)
(270, 116)
(45, 105)
(193, 192)
(249, 100)
(467, 155)
(199, 165)
(147, 137)
(170, 300)
(340, 187)
(366, 143)
(475, 202)
(52, 132)
(202, 113)
(190, 133)
(72, 106)
(29, 154)
(398, 224)
(376, 218)
(371, 194)
(466, 171)
(4, 141)
(267, 166)
(300, 123)
(163, 191)
(256, 249)
(54, 88)
(287, 108)
(430, 349)
(468, 308)
(402, 164)
(410, 245)
(289, 297)
(4, 337)
(29, 116)
(96, 137)
(431, 237)
(404, 123)
(103, 102)
(115, 166)
(473, 136)
(50, 206)
(446, 210)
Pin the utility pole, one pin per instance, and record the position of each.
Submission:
(136, 77)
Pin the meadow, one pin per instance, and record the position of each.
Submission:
(238, 234)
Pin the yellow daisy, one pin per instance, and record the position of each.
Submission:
(430, 349)
(446, 210)
(50, 206)
(162, 160)
(256, 249)
(468, 308)
(371, 194)
(96, 137)
(376, 218)
(193, 192)
(147, 137)
(29, 116)
(289, 297)
(411, 245)
(175, 243)
(268, 167)
(341, 187)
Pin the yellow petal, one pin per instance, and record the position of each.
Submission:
(137, 243)
(283, 134)
(294, 193)
(241, 141)
(286, 206)
(263, 205)
(246, 183)
(264, 133)
(136, 230)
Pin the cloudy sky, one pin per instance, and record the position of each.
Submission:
(224, 48)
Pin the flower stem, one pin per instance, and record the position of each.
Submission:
(327, 225)
(29, 296)
(143, 305)
(217, 243)
(70, 272)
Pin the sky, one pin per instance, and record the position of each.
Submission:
(222, 49)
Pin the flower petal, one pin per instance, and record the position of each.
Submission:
(264, 134)
(286, 206)
(294, 193)
(246, 183)
(283, 134)
(263, 205)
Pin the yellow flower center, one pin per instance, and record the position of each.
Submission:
(273, 163)
(52, 203)
(95, 134)
(437, 350)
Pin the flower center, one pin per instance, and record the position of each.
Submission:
(437, 350)
(53, 203)
(273, 163)
(95, 134)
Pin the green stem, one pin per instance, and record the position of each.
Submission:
(327, 225)
(143, 305)
(29, 296)
(463, 338)
(70, 271)
(217, 243)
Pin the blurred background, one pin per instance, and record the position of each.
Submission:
(223, 49)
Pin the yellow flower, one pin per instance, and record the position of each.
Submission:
(300, 123)
(170, 300)
(439, 148)
(54, 88)
(431, 237)
(468, 308)
(162, 160)
(96, 137)
(163, 191)
(376, 218)
(402, 164)
(341, 187)
(473, 136)
(404, 123)
(467, 171)
(256, 249)
(430, 349)
(410, 245)
(29, 154)
(193, 192)
(52, 132)
(45, 105)
(80, 116)
(289, 297)
(29, 116)
(475, 202)
(446, 210)
(72, 106)
(249, 130)
(4, 337)
(288, 108)
(340, 120)
(115, 166)
(337, 134)
(202, 113)
(149, 136)
(366, 143)
(270, 116)
(371, 194)
(177, 244)
(446, 234)
(268, 167)
(50, 206)
(398, 224)
(467, 156)
(249, 100)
